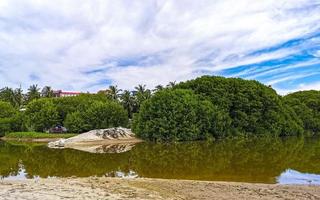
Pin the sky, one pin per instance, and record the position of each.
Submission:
(87, 45)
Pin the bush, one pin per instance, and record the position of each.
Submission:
(98, 115)
(306, 104)
(7, 117)
(75, 122)
(177, 115)
(41, 114)
(79, 103)
(251, 107)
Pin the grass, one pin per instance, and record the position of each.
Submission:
(38, 135)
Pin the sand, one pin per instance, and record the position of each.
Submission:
(116, 188)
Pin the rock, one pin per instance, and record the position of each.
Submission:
(57, 144)
(118, 134)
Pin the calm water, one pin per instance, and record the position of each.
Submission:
(292, 160)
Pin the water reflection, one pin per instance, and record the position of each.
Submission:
(111, 148)
(294, 177)
(254, 160)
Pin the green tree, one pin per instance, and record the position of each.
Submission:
(14, 97)
(18, 97)
(114, 92)
(172, 84)
(41, 114)
(128, 102)
(7, 116)
(33, 93)
(97, 115)
(176, 115)
(142, 95)
(306, 104)
(75, 122)
(252, 107)
(47, 92)
(158, 88)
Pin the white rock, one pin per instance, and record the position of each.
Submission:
(118, 133)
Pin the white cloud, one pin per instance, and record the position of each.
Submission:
(60, 40)
(300, 87)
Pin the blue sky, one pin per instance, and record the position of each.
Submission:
(86, 45)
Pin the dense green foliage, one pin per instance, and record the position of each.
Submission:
(175, 115)
(41, 115)
(237, 107)
(7, 117)
(207, 107)
(252, 107)
(38, 135)
(78, 114)
(306, 105)
(97, 115)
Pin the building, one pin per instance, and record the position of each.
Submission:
(60, 93)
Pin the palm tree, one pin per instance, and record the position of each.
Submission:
(140, 88)
(172, 84)
(33, 93)
(47, 92)
(142, 94)
(158, 88)
(113, 92)
(128, 102)
(19, 97)
(7, 94)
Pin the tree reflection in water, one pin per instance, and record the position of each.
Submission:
(247, 160)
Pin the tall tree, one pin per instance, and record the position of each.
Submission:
(142, 94)
(7, 95)
(113, 92)
(47, 92)
(33, 93)
(18, 97)
(172, 84)
(158, 88)
(128, 102)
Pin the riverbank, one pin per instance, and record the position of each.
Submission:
(35, 136)
(116, 188)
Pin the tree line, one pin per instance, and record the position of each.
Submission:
(37, 110)
(204, 108)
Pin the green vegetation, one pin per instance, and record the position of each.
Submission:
(9, 118)
(175, 115)
(97, 115)
(41, 114)
(215, 106)
(38, 135)
(306, 105)
(207, 107)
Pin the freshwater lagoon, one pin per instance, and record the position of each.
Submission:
(266, 160)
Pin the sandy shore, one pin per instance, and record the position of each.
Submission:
(115, 188)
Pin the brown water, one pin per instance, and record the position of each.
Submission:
(254, 160)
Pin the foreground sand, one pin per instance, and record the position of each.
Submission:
(115, 188)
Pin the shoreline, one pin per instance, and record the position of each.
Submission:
(146, 188)
(40, 140)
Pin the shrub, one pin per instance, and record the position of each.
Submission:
(177, 115)
(98, 115)
(306, 104)
(41, 114)
(79, 103)
(251, 107)
(7, 117)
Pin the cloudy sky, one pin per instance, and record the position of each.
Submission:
(86, 45)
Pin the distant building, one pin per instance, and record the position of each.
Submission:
(60, 93)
